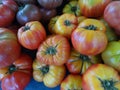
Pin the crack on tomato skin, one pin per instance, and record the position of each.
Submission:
(108, 84)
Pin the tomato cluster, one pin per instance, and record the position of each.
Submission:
(73, 44)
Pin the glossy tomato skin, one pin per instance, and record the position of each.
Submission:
(50, 75)
(112, 15)
(79, 63)
(27, 13)
(65, 24)
(98, 76)
(87, 40)
(10, 48)
(110, 55)
(72, 82)
(7, 15)
(18, 74)
(31, 35)
(93, 8)
(55, 50)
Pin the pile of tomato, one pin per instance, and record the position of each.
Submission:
(73, 44)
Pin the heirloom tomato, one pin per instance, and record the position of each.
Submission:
(112, 15)
(50, 75)
(111, 55)
(89, 37)
(52, 23)
(54, 50)
(79, 63)
(110, 33)
(18, 74)
(27, 13)
(10, 48)
(101, 77)
(65, 24)
(31, 35)
(73, 8)
(50, 4)
(71, 82)
(93, 8)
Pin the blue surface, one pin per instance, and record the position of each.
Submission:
(33, 85)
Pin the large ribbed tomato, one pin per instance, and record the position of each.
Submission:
(9, 47)
(54, 50)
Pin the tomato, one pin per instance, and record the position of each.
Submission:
(93, 8)
(65, 24)
(89, 37)
(10, 48)
(50, 75)
(73, 8)
(112, 15)
(18, 74)
(55, 50)
(27, 13)
(7, 15)
(52, 23)
(71, 82)
(79, 63)
(111, 35)
(31, 35)
(111, 56)
(102, 77)
(81, 18)
(50, 4)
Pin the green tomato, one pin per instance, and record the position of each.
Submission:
(111, 55)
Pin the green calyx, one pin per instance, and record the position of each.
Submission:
(51, 50)
(12, 69)
(91, 27)
(108, 84)
(67, 22)
(45, 69)
(26, 28)
(84, 57)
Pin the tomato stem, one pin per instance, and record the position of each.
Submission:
(108, 84)
(91, 27)
(67, 23)
(45, 69)
(12, 68)
(26, 28)
(51, 50)
(84, 57)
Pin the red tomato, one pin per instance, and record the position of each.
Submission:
(54, 50)
(18, 74)
(31, 35)
(112, 15)
(10, 49)
(72, 82)
(89, 38)
(93, 8)
(101, 77)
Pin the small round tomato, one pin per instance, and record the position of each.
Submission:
(71, 82)
(10, 48)
(111, 55)
(102, 77)
(54, 50)
(31, 35)
(17, 75)
(50, 75)
(65, 24)
(79, 63)
(89, 37)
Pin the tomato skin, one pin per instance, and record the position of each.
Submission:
(7, 16)
(110, 55)
(112, 15)
(55, 50)
(93, 8)
(72, 82)
(65, 24)
(50, 75)
(99, 74)
(18, 75)
(31, 35)
(10, 48)
(90, 42)
(78, 63)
